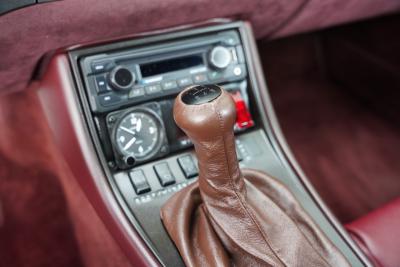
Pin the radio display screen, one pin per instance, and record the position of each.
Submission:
(174, 64)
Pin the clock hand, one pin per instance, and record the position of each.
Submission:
(127, 130)
(139, 125)
(130, 143)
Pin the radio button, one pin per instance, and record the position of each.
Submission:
(152, 89)
(99, 66)
(185, 81)
(168, 85)
(101, 84)
(231, 40)
(215, 75)
(109, 100)
(199, 78)
(136, 92)
(236, 72)
(239, 70)
(240, 54)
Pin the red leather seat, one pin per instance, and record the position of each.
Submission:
(378, 234)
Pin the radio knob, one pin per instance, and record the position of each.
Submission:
(121, 78)
(220, 57)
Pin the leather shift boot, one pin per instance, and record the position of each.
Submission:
(235, 218)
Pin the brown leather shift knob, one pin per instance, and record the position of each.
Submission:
(230, 218)
(205, 112)
(207, 115)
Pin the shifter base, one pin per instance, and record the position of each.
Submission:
(205, 238)
(257, 154)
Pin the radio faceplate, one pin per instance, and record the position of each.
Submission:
(118, 79)
(131, 91)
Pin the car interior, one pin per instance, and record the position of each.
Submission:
(199, 133)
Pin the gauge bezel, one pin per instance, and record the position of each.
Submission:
(160, 137)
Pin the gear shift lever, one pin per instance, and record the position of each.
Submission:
(207, 115)
(234, 218)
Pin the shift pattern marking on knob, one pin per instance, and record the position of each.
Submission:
(122, 78)
(201, 94)
(220, 57)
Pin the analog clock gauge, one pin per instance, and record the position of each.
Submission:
(137, 134)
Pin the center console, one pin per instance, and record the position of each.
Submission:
(126, 90)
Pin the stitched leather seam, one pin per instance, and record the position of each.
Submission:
(296, 224)
(235, 190)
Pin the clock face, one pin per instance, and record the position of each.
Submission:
(137, 134)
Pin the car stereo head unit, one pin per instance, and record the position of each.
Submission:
(116, 79)
(131, 91)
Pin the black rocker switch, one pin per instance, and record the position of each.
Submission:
(164, 174)
(188, 166)
(139, 182)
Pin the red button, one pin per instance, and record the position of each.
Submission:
(243, 116)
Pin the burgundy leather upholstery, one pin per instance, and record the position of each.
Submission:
(378, 234)
(1, 215)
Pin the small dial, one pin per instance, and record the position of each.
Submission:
(138, 134)
(121, 78)
(220, 57)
